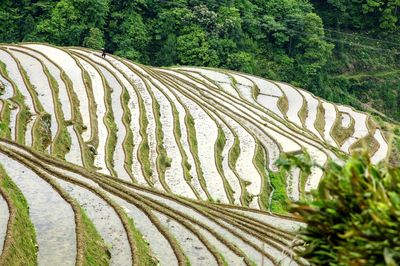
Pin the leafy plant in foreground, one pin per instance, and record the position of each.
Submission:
(354, 218)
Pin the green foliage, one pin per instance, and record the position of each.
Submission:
(144, 148)
(354, 218)
(5, 116)
(145, 256)
(340, 133)
(279, 197)
(95, 39)
(67, 25)
(3, 127)
(193, 49)
(242, 61)
(303, 161)
(42, 132)
(248, 35)
(364, 14)
(128, 35)
(234, 153)
(95, 250)
(261, 164)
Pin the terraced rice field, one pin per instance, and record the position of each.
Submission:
(105, 161)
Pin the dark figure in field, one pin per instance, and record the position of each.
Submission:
(103, 53)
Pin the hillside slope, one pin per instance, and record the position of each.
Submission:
(182, 151)
(160, 127)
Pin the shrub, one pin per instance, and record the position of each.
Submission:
(354, 218)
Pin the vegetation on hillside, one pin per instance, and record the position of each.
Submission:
(364, 68)
(354, 217)
(343, 51)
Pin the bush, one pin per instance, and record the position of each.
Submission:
(95, 39)
(354, 218)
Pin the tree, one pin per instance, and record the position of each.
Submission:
(223, 48)
(354, 217)
(242, 61)
(62, 27)
(375, 15)
(193, 48)
(128, 36)
(15, 20)
(312, 51)
(70, 21)
(167, 55)
(229, 23)
(95, 39)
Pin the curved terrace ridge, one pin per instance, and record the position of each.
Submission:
(107, 161)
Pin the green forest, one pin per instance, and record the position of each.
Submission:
(346, 51)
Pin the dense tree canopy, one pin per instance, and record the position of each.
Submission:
(362, 14)
(282, 39)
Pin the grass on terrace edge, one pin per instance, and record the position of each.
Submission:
(145, 256)
(62, 141)
(24, 115)
(77, 122)
(192, 139)
(23, 118)
(283, 104)
(41, 129)
(22, 249)
(128, 141)
(163, 161)
(5, 117)
(95, 250)
(261, 166)
(303, 113)
(319, 122)
(233, 156)
(279, 197)
(368, 142)
(178, 135)
(94, 125)
(112, 129)
(42, 133)
(144, 149)
(219, 147)
(340, 133)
